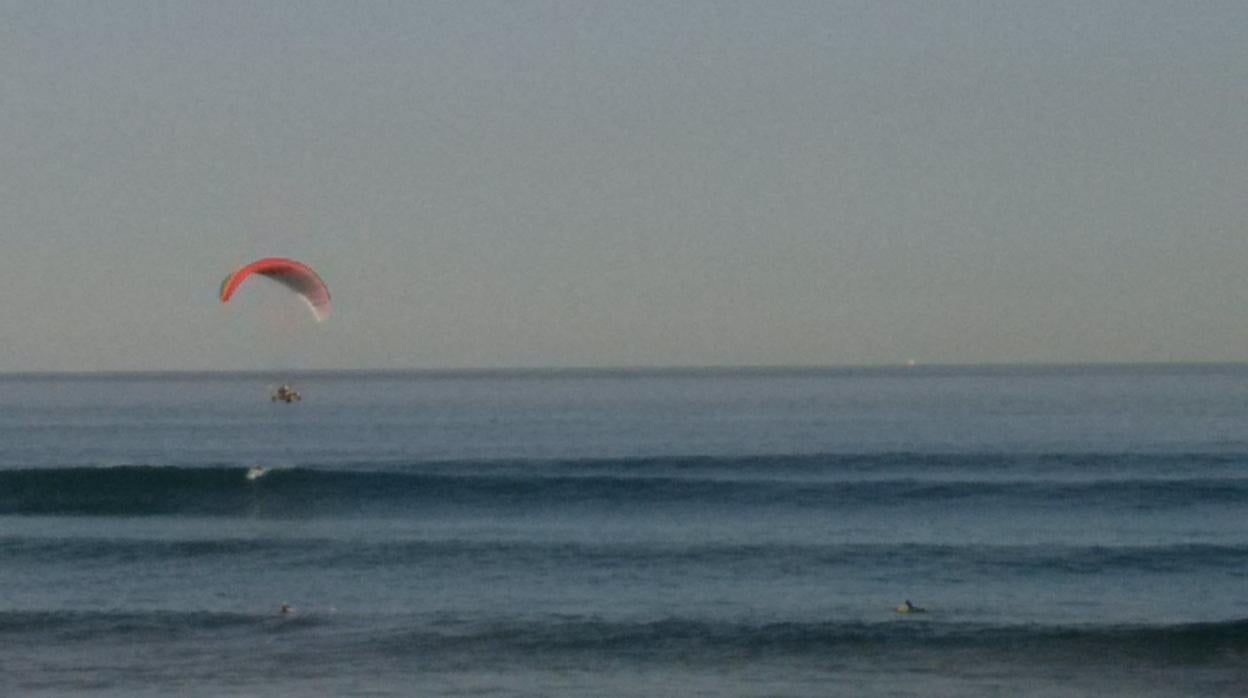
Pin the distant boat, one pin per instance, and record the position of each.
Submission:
(286, 394)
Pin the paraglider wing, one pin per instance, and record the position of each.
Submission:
(295, 276)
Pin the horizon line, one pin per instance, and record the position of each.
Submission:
(627, 369)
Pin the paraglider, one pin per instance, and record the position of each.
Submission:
(296, 276)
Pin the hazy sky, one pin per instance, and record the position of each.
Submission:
(625, 183)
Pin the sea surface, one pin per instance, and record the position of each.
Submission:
(1071, 531)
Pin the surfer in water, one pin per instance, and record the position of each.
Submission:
(908, 607)
(287, 609)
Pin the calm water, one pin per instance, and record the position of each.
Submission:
(1072, 531)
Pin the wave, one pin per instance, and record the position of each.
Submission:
(227, 490)
(659, 639)
(805, 465)
(973, 561)
(92, 626)
(820, 466)
(1190, 642)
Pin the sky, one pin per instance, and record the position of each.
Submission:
(580, 184)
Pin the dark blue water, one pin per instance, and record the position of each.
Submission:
(1071, 531)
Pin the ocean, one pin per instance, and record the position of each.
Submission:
(1070, 531)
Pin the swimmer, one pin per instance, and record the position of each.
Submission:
(908, 607)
